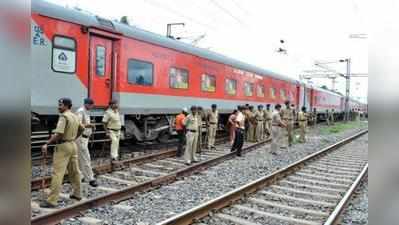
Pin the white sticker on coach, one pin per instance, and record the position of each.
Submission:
(64, 60)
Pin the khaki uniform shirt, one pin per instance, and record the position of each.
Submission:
(213, 117)
(112, 119)
(287, 114)
(302, 118)
(276, 118)
(68, 125)
(84, 118)
(259, 116)
(191, 122)
(268, 114)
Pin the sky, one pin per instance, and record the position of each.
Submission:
(251, 30)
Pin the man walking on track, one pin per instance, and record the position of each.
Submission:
(83, 142)
(277, 128)
(191, 124)
(180, 129)
(212, 121)
(239, 135)
(112, 125)
(65, 153)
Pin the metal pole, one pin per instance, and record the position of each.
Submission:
(347, 77)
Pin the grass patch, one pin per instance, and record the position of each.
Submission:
(341, 126)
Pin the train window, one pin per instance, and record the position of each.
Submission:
(208, 83)
(64, 55)
(178, 78)
(140, 72)
(272, 92)
(283, 94)
(260, 91)
(231, 87)
(100, 60)
(248, 89)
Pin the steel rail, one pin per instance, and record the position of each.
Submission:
(196, 213)
(126, 193)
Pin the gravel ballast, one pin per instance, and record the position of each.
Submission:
(164, 202)
(356, 212)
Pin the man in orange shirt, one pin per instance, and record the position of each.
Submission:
(180, 129)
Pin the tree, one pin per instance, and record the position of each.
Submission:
(124, 20)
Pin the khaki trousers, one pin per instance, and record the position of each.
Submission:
(115, 137)
(211, 135)
(65, 158)
(84, 159)
(276, 138)
(259, 131)
(268, 127)
(302, 132)
(191, 146)
(251, 133)
(290, 127)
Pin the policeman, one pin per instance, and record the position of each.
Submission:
(112, 125)
(259, 117)
(251, 124)
(83, 141)
(200, 117)
(181, 131)
(277, 128)
(314, 117)
(287, 116)
(65, 153)
(191, 124)
(268, 120)
(328, 117)
(332, 119)
(302, 121)
(212, 122)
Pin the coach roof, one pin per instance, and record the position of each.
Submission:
(71, 15)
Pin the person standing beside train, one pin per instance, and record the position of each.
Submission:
(287, 116)
(332, 119)
(83, 142)
(314, 117)
(112, 125)
(200, 117)
(180, 130)
(259, 117)
(191, 124)
(239, 131)
(277, 128)
(328, 117)
(232, 126)
(302, 122)
(250, 117)
(268, 120)
(212, 119)
(65, 153)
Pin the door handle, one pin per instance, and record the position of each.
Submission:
(107, 82)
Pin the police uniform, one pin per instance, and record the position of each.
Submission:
(276, 131)
(302, 121)
(65, 157)
(259, 117)
(191, 124)
(82, 142)
(332, 120)
(113, 120)
(268, 121)
(288, 119)
(199, 133)
(250, 117)
(328, 118)
(213, 118)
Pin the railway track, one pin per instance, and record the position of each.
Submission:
(311, 191)
(120, 181)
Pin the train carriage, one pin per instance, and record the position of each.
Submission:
(80, 55)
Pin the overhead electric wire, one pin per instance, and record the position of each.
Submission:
(228, 12)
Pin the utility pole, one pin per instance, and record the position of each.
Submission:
(348, 85)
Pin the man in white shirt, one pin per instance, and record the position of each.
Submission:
(83, 142)
(239, 131)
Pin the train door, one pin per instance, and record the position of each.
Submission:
(100, 89)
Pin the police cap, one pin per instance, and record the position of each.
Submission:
(65, 101)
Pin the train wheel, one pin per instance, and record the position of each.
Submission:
(163, 136)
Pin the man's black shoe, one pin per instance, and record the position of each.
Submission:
(93, 183)
(46, 204)
(75, 197)
(239, 155)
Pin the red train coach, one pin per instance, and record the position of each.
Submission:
(79, 55)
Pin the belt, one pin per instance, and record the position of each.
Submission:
(193, 131)
(268, 119)
(113, 129)
(302, 120)
(212, 123)
(85, 136)
(260, 120)
(63, 141)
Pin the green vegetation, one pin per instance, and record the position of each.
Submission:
(341, 126)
